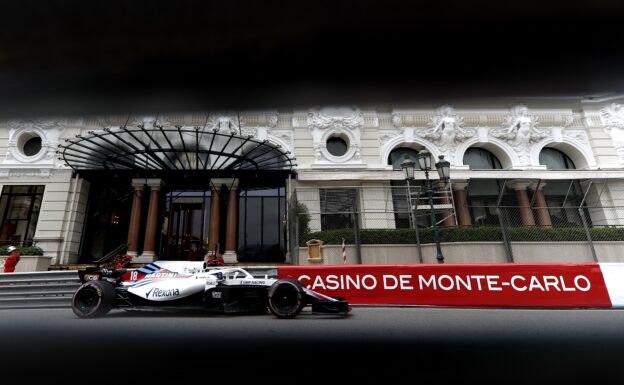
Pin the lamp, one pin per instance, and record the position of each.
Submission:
(424, 159)
(408, 166)
(443, 168)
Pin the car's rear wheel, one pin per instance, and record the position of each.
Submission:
(93, 299)
(286, 298)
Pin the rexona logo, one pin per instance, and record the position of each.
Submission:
(168, 274)
(156, 292)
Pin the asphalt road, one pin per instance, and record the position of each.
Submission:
(448, 345)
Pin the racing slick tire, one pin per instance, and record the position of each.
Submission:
(286, 298)
(93, 299)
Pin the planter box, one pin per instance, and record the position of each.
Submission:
(30, 263)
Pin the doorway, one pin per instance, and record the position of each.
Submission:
(262, 225)
(185, 225)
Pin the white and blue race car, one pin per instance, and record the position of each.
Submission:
(177, 285)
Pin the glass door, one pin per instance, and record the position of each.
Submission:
(262, 227)
(186, 225)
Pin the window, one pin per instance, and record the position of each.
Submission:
(397, 156)
(482, 194)
(336, 146)
(400, 200)
(554, 159)
(480, 159)
(20, 207)
(261, 226)
(32, 146)
(338, 208)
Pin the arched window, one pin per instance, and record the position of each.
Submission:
(397, 156)
(400, 191)
(482, 194)
(563, 197)
(480, 159)
(554, 159)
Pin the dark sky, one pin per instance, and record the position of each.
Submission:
(82, 57)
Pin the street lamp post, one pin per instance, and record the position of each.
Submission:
(408, 167)
(443, 168)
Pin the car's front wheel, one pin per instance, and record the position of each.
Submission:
(93, 299)
(286, 298)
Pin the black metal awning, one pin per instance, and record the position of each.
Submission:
(171, 149)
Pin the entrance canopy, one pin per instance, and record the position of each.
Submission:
(171, 149)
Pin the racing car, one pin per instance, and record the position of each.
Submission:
(177, 285)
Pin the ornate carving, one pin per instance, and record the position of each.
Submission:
(162, 121)
(613, 118)
(446, 130)
(397, 120)
(269, 122)
(336, 121)
(579, 135)
(224, 123)
(285, 136)
(318, 147)
(272, 120)
(26, 173)
(356, 147)
(34, 124)
(387, 135)
(345, 118)
(249, 131)
(20, 131)
(519, 130)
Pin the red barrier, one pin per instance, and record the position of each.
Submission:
(471, 285)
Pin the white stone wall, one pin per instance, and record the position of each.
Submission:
(304, 146)
(52, 217)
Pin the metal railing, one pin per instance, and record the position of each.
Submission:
(46, 289)
(113, 253)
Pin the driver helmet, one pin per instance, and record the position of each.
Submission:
(11, 248)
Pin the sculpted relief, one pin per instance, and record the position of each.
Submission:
(21, 131)
(520, 130)
(446, 131)
(342, 122)
(613, 117)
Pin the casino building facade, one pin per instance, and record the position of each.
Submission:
(183, 186)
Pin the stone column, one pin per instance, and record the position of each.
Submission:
(149, 246)
(135, 218)
(231, 225)
(526, 214)
(541, 207)
(215, 214)
(461, 206)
